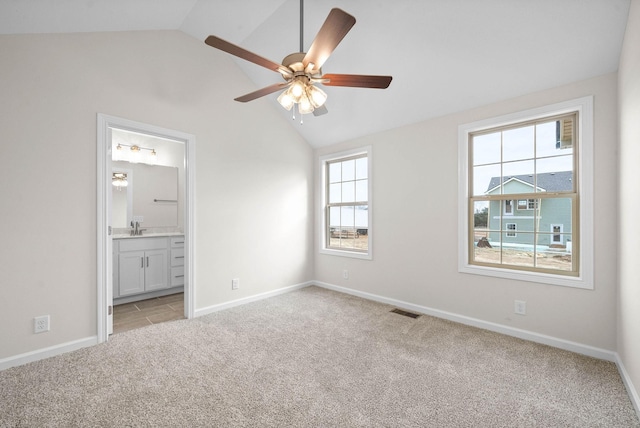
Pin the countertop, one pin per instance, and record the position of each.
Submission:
(147, 235)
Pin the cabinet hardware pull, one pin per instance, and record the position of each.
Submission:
(142, 262)
(165, 200)
(179, 276)
(147, 261)
(179, 257)
(179, 242)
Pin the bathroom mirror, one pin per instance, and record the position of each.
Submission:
(151, 193)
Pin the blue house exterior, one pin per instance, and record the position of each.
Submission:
(551, 218)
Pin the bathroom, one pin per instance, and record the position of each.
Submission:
(147, 218)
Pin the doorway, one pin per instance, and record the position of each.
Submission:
(168, 225)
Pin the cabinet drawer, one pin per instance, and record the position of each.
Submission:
(142, 244)
(177, 276)
(177, 241)
(177, 257)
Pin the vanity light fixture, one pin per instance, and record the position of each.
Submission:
(136, 148)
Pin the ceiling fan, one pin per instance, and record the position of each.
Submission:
(302, 70)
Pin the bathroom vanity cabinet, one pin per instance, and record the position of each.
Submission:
(145, 267)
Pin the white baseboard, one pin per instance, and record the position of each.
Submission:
(249, 299)
(52, 351)
(631, 390)
(567, 345)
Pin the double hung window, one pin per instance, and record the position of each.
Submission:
(522, 198)
(347, 204)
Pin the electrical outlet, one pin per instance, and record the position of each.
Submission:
(345, 274)
(41, 324)
(520, 307)
(235, 283)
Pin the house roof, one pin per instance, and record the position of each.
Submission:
(547, 182)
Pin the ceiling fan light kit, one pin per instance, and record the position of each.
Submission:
(301, 71)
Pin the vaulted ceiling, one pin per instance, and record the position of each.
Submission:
(444, 55)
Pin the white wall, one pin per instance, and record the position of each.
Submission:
(629, 223)
(253, 183)
(415, 172)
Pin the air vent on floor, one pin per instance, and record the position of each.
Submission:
(405, 313)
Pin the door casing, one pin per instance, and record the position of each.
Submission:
(105, 124)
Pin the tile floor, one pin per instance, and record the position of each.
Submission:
(146, 312)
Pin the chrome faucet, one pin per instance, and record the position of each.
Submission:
(139, 229)
(135, 229)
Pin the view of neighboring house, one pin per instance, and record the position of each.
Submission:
(549, 218)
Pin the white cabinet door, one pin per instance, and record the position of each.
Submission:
(131, 272)
(156, 269)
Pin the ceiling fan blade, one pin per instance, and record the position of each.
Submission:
(319, 111)
(223, 45)
(356, 80)
(261, 92)
(335, 27)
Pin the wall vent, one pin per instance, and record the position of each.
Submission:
(405, 313)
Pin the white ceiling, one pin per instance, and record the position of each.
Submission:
(444, 55)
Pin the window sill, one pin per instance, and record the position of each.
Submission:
(343, 253)
(544, 278)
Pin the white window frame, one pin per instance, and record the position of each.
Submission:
(368, 255)
(584, 107)
(560, 234)
(509, 203)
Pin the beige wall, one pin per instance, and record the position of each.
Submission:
(415, 228)
(629, 223)
(253, 173)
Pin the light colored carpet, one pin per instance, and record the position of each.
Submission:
(315, 358)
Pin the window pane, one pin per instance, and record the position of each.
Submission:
(523, 223)
(347, 216)
(486, 179)
(335, 193)
(362, 190)
(555, 220)
(335, 172)
(349, 191)
(362, 216)
(349, 170)
(517, 251)
(481, 214)
(486, 254)
(334, 217)
(518, 177)
(555, 174)
(517, 144)
(557, 255)
(554, 138)
(362, 168)
(486, 148)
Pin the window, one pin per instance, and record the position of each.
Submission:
(526, 204)
(347, 204)
(508, 207)
(530, 175)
